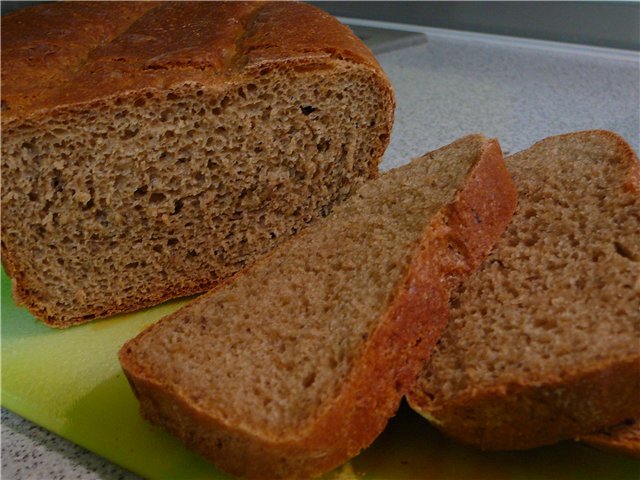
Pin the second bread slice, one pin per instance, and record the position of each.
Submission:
(297, 363)
(543, 340)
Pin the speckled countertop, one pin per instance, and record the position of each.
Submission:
(456, 83)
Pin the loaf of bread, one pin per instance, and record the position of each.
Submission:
(623, 438)
(151, 150)
(297, 363)
(542, 344)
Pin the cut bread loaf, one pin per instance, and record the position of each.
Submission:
(542, 343)
(623, 438)
(152, 150)
(297, 363)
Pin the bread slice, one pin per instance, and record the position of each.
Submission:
(150, 150)
(297, 363)
(623, 438)
(542, 344)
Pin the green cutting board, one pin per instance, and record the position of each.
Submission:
(70, 382)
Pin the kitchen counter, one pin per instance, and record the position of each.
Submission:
(519, 91)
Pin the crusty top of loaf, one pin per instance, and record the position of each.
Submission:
(66, 53)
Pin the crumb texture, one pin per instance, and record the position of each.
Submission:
(268, 350)
(297, 363)
(560, 295)
(135, 191)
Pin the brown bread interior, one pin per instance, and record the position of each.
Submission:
(163, 193)
(297, 363)
(554, 313)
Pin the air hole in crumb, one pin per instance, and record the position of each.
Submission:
(199, 93)
(192, 253)
(454, 303)
(157, 248)
(131, 265)
(33, 196)
(172, 96)
(56, 183)
(141, 191)
(129, 134)
(139, 102)
(625, 252)
(157, 197)
(177, 206)
(216, 111)
(308, 380)
(323, 145)
(307, 109)
(172, 241)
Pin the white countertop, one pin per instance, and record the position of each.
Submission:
(519, 91)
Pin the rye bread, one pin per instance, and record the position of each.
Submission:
(543, 340)
(296, 364)
(151, 150)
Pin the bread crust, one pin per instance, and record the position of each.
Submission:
(521, 415)
(136, 48)
(92, 54)
(454, 244)
(622, 439)
(524, 414)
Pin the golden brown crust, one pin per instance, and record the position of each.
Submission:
(454, 244)
(74, 56)
(520, 416)
(88, 51)
(622, 439)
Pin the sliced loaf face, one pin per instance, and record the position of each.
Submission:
(623, 439)
(542, 344)
(179, 145)
(296, 364)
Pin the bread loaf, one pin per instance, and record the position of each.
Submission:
(542, 344)
(151, 150)
(297, 363)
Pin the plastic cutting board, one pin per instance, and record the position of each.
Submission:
(70, 382)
